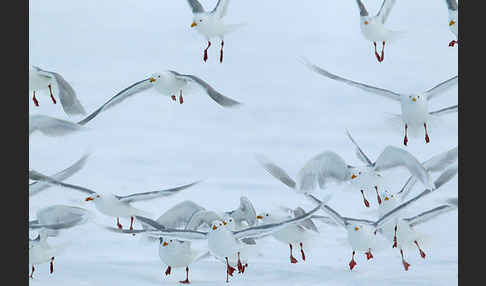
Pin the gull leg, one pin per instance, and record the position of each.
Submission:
(167, 271)
(131, 223)
(118, 223)
(221, 53)
(229, 270)
(382, 52)
(422, 253)
(427, 139)
(395, 237)
(376, 53)
(36, 103)
(52, 96)
(405, 140)
(352, 263)
(366, 203)
(369, 255)
(406, 265)
(451, 44)
(173, 97)
(181, 100)
(302, 251)
(239, 265)
(292, 258)
(378, 195)
(205, 58)
(51, 266)
(32, 273)
(187, 277)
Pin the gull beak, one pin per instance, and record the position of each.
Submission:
(88, 199)
(366, 22)
(386, 198)
(354, 176)
(451, 23)
(224, 222)
(214, 227)
(165, 243)
(193, 24)
(356, 228)
(151, 79)
(414, 99)
(259, 217)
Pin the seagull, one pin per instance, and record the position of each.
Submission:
(373, 28)
(51, 126)
(244, 215)
(168, 83)
(57, 217)
(329, 166)
(38, 186)
(453, 19)
(210, 24)
(111, 204)
(415, 110)
(40, 79)
(41, 252)
(294, 234)
(223, 243)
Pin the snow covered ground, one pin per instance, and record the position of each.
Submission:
(289, 114)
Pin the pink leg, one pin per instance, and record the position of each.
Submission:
(302, 251)
(427, 139)
(229, 270)
(239, 265)
(118, 223)
(181, 100)
(51, 266)
(205, 58)
(366, 203)
(352, 263)
(451, 44)
(131, 223)
(422, 253)
(187, 277)
(382, 53)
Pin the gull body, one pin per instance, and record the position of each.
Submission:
(41, 252)
(177, 254)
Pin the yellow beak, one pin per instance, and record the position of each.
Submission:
(193, 24)
(224, 222)
(386, 198)
(88, 199)
(356, 228)
(354, 176)
(151, 79)
(451, 23)
(259, 217)
(165, 243)
(414, 99)
(366, 22)
(214, 227)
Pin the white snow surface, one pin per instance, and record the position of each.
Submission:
(289, 114)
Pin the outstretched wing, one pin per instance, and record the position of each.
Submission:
(195, 6)
(441, 87)
(446, 110)
(430, 214)
(451, 5)
(215, 95)
(267, 229)
(221, 8)
(359, 152)
(276, 171)
(331, 212)
(180, 234)
(119, 97)
(245, 212)
(385, 10)
(362, 8)
(155, 194)
(36, 176)
(308, 223)
(376, 90)
(179, 215)
(51, 126)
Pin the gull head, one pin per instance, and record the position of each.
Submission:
(164, 242)
(154, 77)
(92, 197)
(199, 20)
(217, 225)
(264, 217)
(416, 98)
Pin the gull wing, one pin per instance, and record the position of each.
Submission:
(430, 214)
(308, 223)
(331, 212)
(245, 212)
(155, 194)
(195, 6)
(441, 88)
(179, 215)
(181, 234)
(385, 10)
(276, 172)
(34, 175)
(451, 5)
(221, 8)
(51, 126)
(362, 8)
(359, 152)
(446, 110)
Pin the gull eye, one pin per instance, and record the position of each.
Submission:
(200, 20)
(159, 76)
(266, 214)
(98, 196)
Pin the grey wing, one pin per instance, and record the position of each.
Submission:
(179, 215)
(51, 126)
(34, 175)
(180, 234)
(200, 218)
(451, 5)
(70, 103)
(276, 171)
(394, 157)
(430, 214)
(385, 10)
(155, 194)
(441, 87)
(362, 8)
(308, 223)
(119, 97)
(245, 212)
(36, 187)
(331, 212)
(444, 111)
(195, 6)
(359, 152)
(322, 168)
(58, 214)
(325, 219)
(215, 95)
(376, 90)
(268, 229)
(221, 8)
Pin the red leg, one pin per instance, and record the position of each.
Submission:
(366, 203)
(369, 255)
(181, 100)
(167, 271)
(292, 258)
(131, 223)
(427, 139)
(406, 265)
(352, 263)
(52, 96)
(206, 52)
(302, 251)
(378, 195)
(229, 269)
(51, 266)
(239, 265)
(382, 53)
(395, 237)
(405, 140)
(118, 223)
(221, 54)
(451, 44)
(32, 273)
(36, 103)
(422, 253)
(187, 277)
(376, 53)
(173, 97)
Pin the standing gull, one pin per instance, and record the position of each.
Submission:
(415, 107)
(40, 79)
(210, 24)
